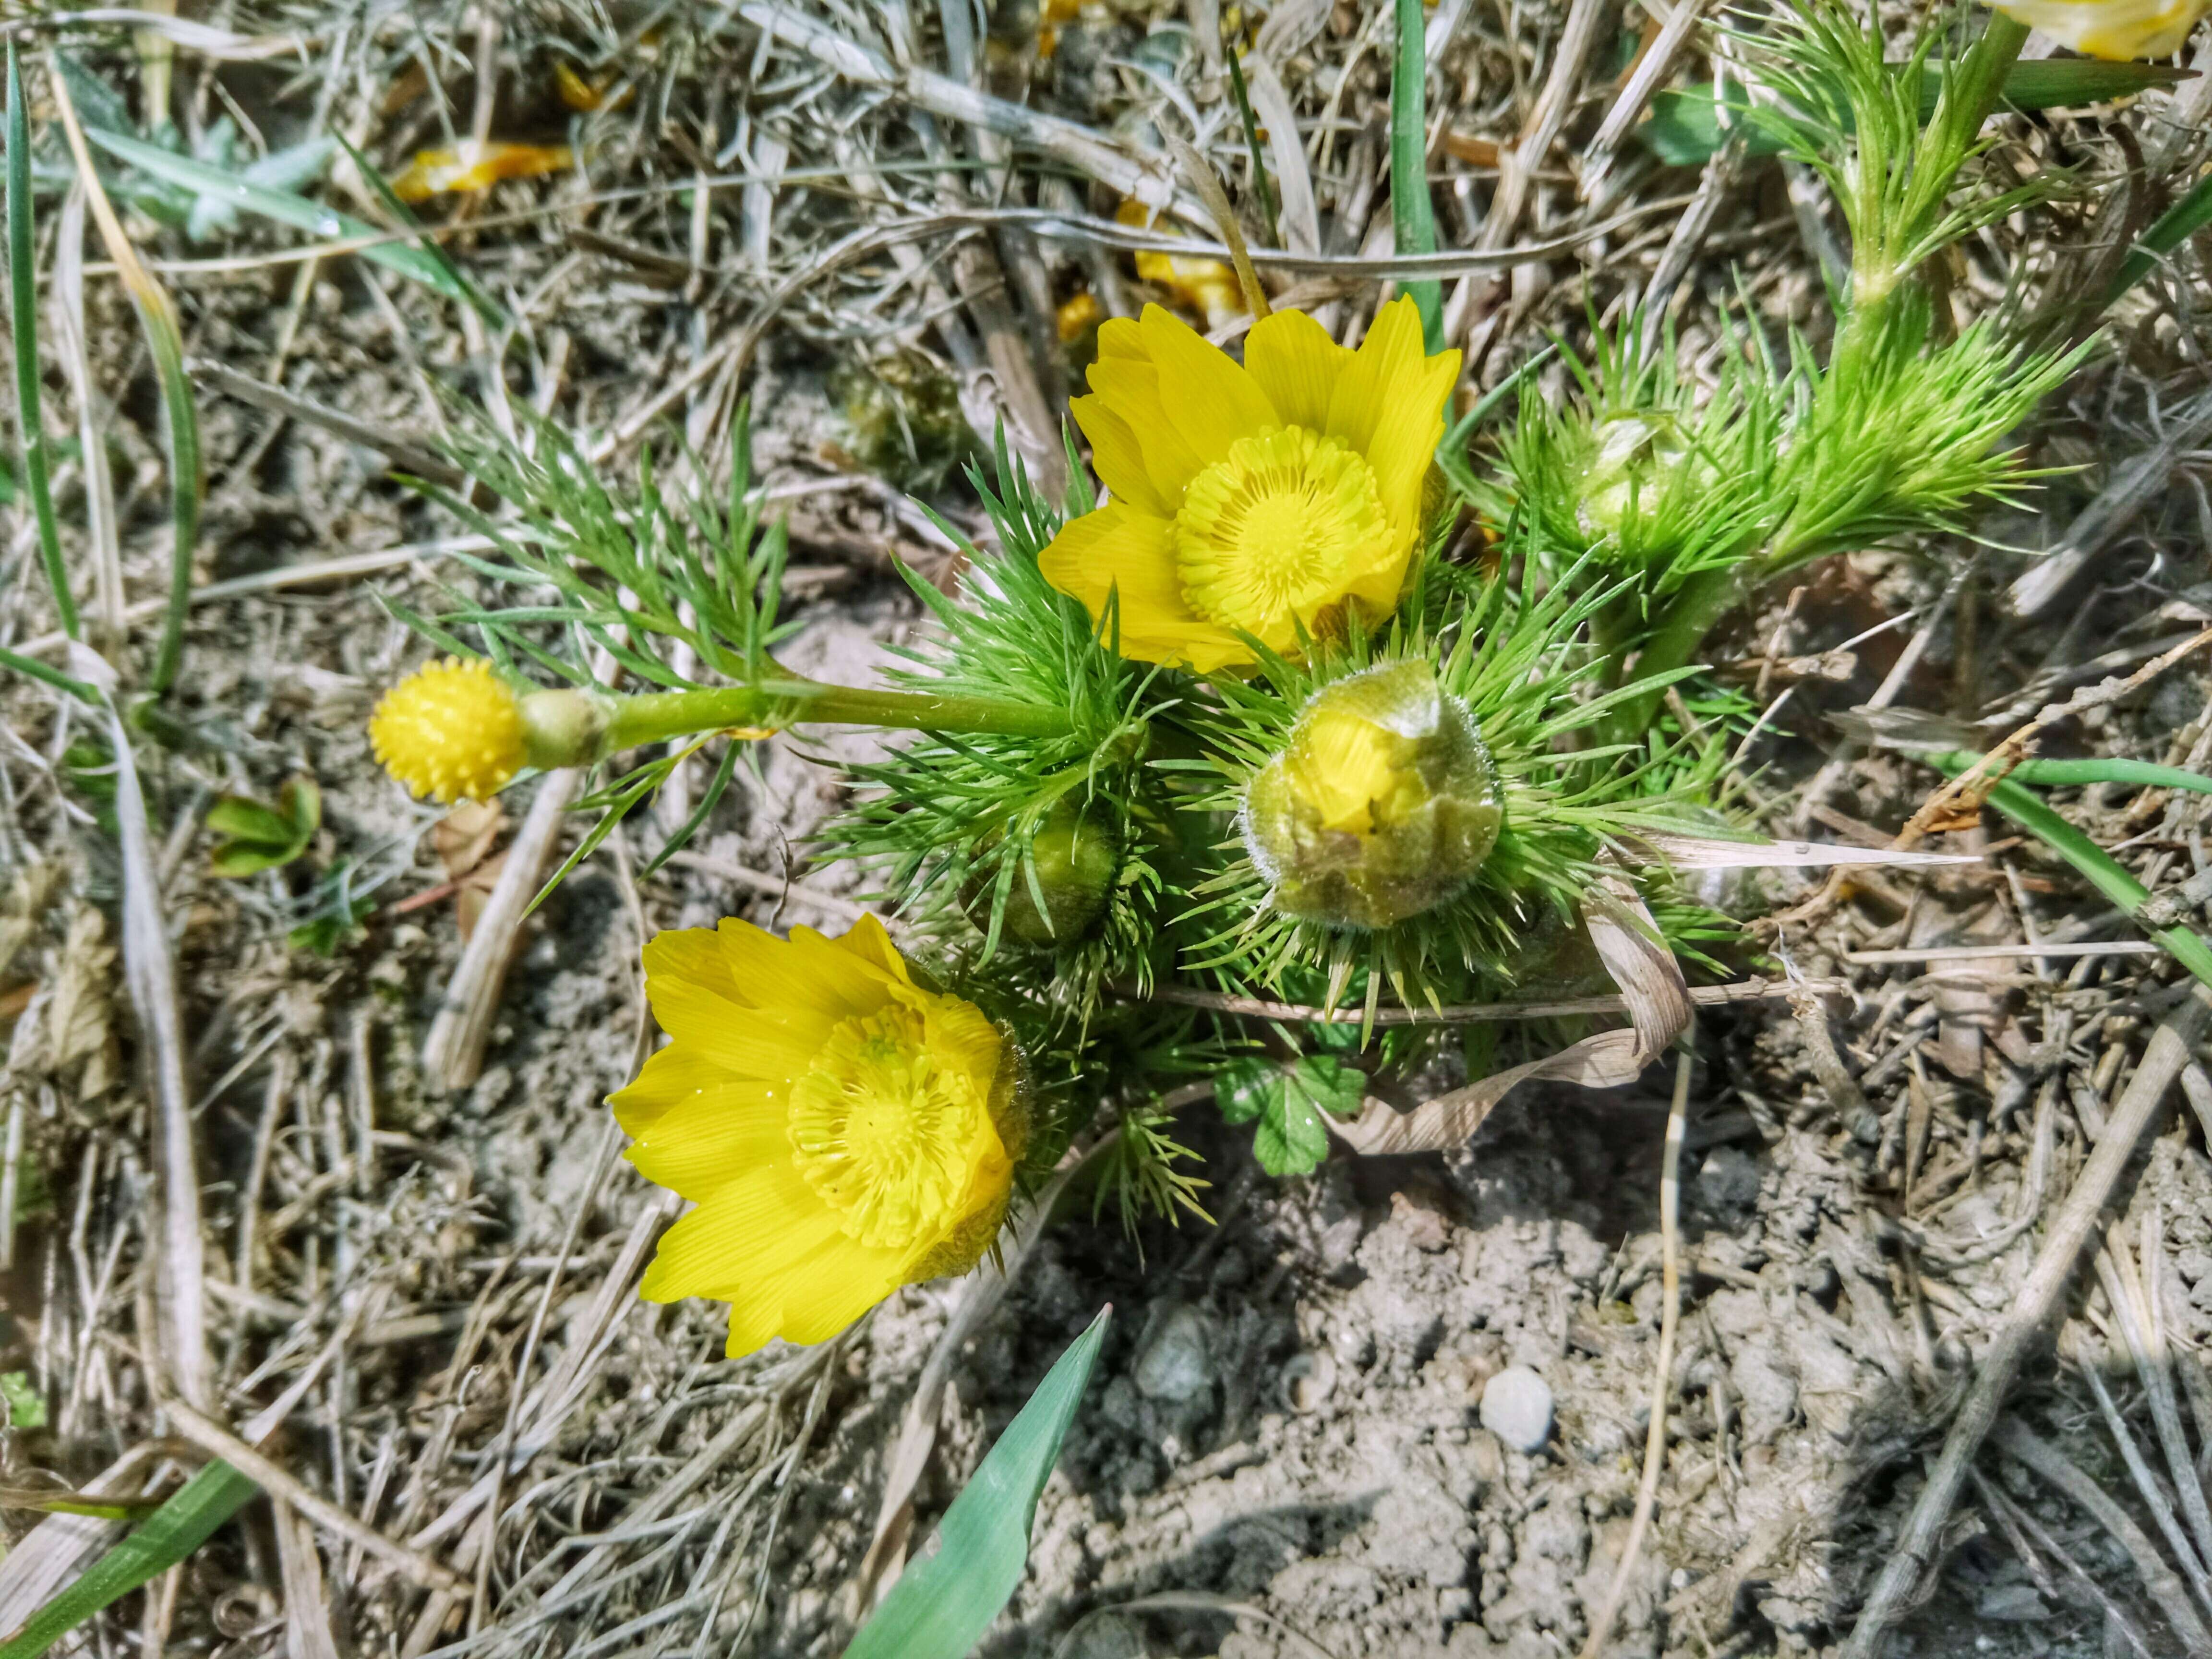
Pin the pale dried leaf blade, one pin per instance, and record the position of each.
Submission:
(1698, 853)
(1651, 985)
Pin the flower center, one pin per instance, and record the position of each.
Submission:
(1277, 529)
(881, 1132)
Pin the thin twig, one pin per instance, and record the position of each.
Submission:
(2172, 1597)
(279, 1482)
(1472, 1013)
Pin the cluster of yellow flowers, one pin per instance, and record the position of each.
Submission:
(843, 1128)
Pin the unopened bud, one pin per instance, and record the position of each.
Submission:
(1637, 461)
(1074, 856)
(1383, 804)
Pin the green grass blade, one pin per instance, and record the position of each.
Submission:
(1413, 219)
(2021, 806)
(23, 323)
(32, 668)
(168, 1536)
(487, 307)
(281, 205)
(945, 1600)
(2059, 774)
(2175, 226)
(165, 342)
(1261, 186)
(1685, 128)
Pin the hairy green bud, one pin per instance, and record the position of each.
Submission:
(1637, 461)
(1074, 856)
(1383, 804)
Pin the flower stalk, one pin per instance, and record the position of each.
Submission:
(770, 705)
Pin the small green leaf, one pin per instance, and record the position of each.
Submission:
(1242, 1087)
(1288, 1103)
(256, 836)
(301, 798)
(948, 1593)
(27, 1407)
(243, 819)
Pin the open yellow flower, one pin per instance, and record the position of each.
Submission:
(1257, 498)
(2115, 29)
(842, 1130)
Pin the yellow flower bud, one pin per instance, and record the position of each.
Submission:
(455, 731)
(1383, 804)
(2114, 29)
(452, 730)
(1075, 856)
(842, 1127)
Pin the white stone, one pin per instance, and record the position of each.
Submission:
(1516, 1407)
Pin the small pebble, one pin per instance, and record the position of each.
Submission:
(1174, 1363)
(1516, 1407)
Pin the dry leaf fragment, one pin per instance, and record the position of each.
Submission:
(588, 97)
(470, 166)
(1208, 286)
(79, 1020)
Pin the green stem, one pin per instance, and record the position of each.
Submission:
(23, 316)
(1689, 615)
(655, 715)
(1413, 216)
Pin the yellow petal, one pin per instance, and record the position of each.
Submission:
(735, 1239)
(1130, 386)
(1120, 336)
(804, 971)
(1390, 404)
(748, 1042)
(714, 1136)
(1293, 361)
(1118, 549)
(959, 1032)
(667, 1080)
(870, 941)
(692, 954)
(821, 1294)
(2116, 30)
(1116, 456)
(1211, 398)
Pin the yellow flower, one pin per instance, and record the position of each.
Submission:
(1259, 498)
(842, 1130)
(452, 730)
(1383, 804)
(2114, 29)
